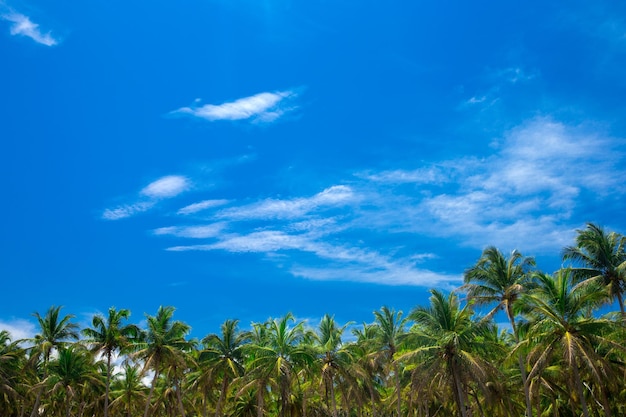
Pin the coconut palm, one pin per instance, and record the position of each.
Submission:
(335, 358)
(12, 358)
(561, 326)
(601, 257)
(279, 354)
(367, 362)
(448, 346)
(108, 337)
(391, 328)
(496, 279)
(163, 348)
(128, 391)
(224, 355)
(54, 332)
(71, 372)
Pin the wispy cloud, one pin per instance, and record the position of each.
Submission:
(526, 193)
(23, 26)
(202, 205)
(163, 188)
(263, 108)
(166, 187)
(337, 195)
(194, 232)
(19, 329)
(127, 210)
(531, 186)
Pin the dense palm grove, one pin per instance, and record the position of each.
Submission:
(560, 356)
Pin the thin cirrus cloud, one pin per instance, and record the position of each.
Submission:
(337, 195)
(202, 205)
(23, 26)
(163, 188)
(536, 183)
(537, 180)
(260, 108)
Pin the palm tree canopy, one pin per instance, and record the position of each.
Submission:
(109, 334)
(54, 331)
(600, 256)
(496, 279)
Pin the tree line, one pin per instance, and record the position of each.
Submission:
(562, 353)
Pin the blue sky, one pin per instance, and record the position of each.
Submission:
(247, 158)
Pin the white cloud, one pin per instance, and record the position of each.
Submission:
(194, 232)
(531, 186)
(163, 188)
(19, 329)
(202, 205)
(127, 210)
(166, 187)
(432, 175)
(23, 26)
(338, 195)
(264, 107)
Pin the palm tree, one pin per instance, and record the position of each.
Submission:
(498, 280)
(278, 355)
(70, 372)
(447, 345)
(12, 358)
(367, 362)
(560, 321)
(391, 328)
(128, 391)
(335, 358)
(602, 258)
(54, 333)
(224, 355)
(108, 336)
(162, 348)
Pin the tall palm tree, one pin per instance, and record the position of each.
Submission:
(70, 372)
(560, 324)
(224, 355)
(128, 391)
(449, 345)
(279, 354)
(391, 328)
(12, 358)
(367, 362)
(109, 336)
(601, 257)
(496, 279)
(335, 358)
(163, 347)
(54, 332)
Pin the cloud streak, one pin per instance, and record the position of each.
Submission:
(525, 194)
(163, 188)
(23, 26)
(259, 108)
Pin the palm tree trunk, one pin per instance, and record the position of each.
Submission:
(458, 390)
(398, 390)
(218, 407)
(108, 383)
(35, 411)
(179, 395)
(332, 397)
(579, 388)
(620, 301)
(260, 403)
(520, 359)
(154, 380)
